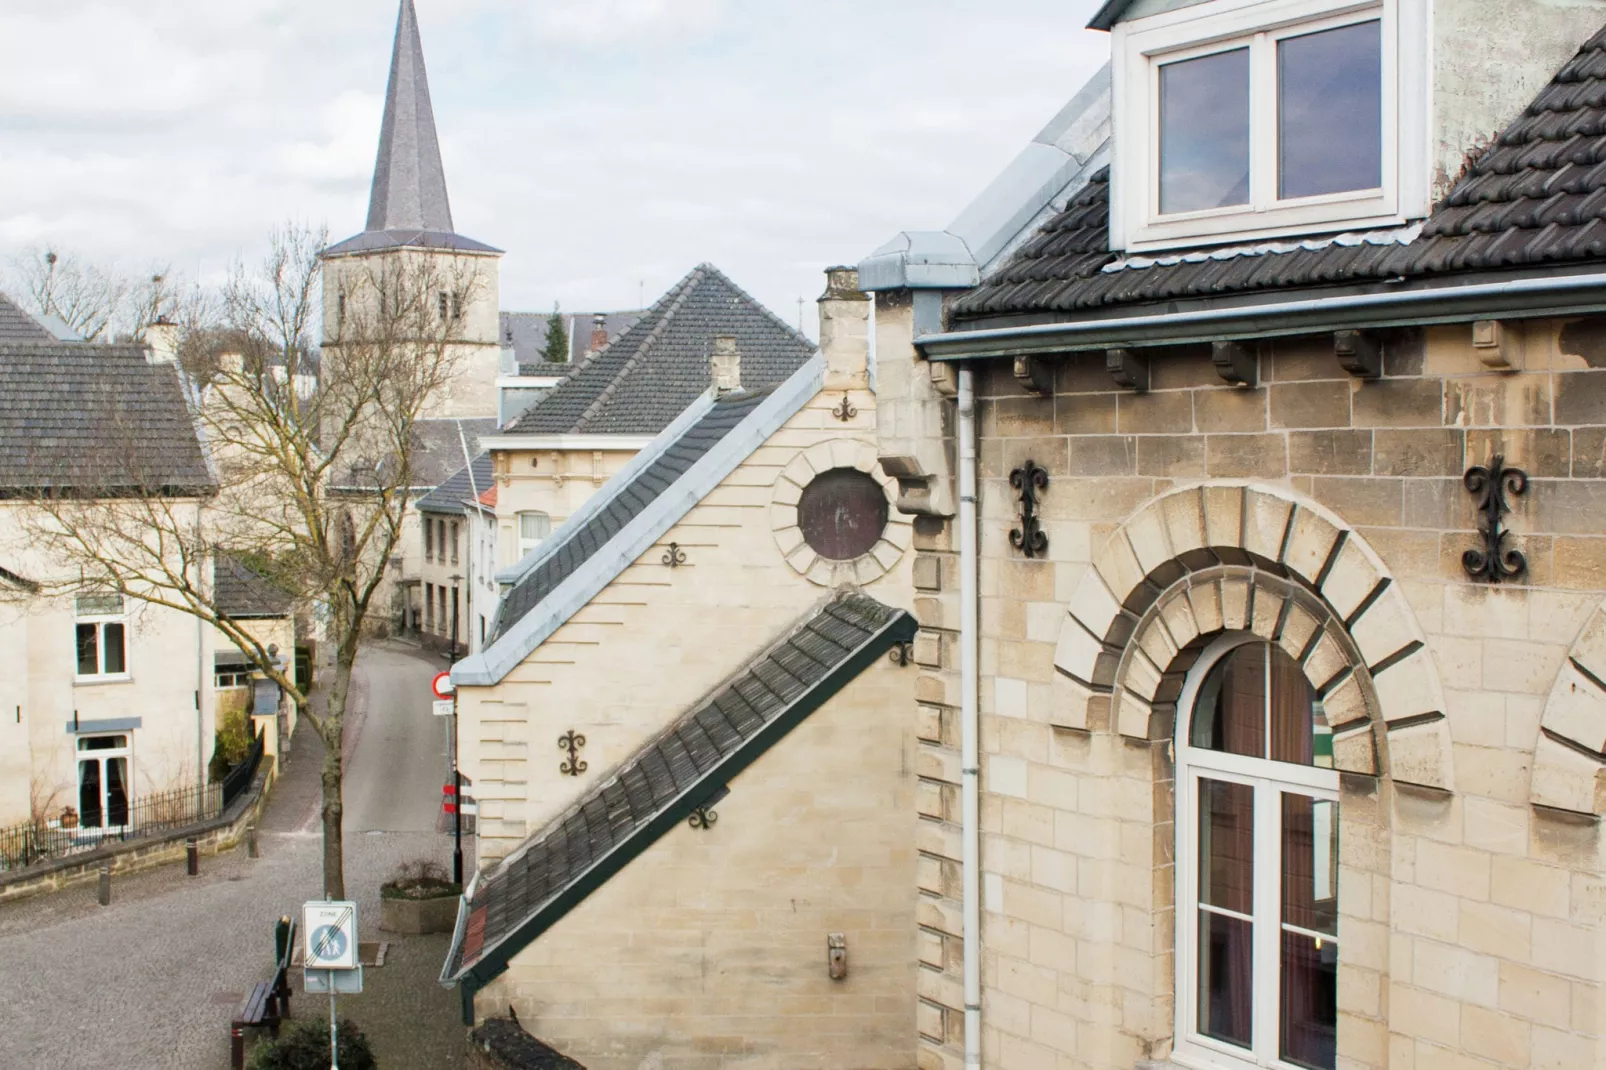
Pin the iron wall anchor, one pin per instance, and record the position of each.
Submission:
(1491, 484)
(1030, 479)
(572, 741)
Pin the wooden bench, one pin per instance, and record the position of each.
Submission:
(268, 1002)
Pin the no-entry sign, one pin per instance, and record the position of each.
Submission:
(442, 685)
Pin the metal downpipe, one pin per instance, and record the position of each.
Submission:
(969, 682)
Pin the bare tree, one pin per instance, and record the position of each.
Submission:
(313, 485)
(89, 299)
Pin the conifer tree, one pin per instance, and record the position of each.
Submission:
(557, 339)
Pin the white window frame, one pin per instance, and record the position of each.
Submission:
(527, 545)
(1142, 46)
(99, 621)
(102, 756)
(1192, 1048)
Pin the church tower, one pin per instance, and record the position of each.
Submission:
(410, 236)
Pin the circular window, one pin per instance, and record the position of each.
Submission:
(842, 514)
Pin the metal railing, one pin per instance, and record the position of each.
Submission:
(42, 840)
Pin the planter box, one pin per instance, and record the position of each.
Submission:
(415, 917)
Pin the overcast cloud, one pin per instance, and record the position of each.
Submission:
(607, 145)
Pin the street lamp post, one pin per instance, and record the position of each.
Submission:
(457, 765)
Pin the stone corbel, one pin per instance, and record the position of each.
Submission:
(1359, 353)
(945, 378)
(558, 474)
(1034, 376)
(1497, 345)
(1127, 369)
(597, 475)
(1236, 363)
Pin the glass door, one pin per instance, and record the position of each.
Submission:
(103, 782)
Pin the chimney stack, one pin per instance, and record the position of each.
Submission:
(725, 365)
(845, 330)
(599, 332)
(161, 342)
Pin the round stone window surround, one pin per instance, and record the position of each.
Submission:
(788, 491)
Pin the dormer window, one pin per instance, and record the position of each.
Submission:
(1258, 118)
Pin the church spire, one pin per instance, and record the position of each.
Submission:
(409, 190)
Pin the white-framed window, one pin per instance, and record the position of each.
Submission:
(227, 678)
(1257, 864)
(1240, 119)
(103, 780)
(533, 528)
(429, 539)
(454, 542)
(101, 627)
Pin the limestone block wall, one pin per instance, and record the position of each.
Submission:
(709, 950)
(658, 638)
(1471, 879)
(556, 482)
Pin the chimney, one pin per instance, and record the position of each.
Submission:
(161, 342)
(845, 330)
(725, 365)
(599, 332)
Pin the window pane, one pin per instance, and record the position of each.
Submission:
(1309, 1001)
(112, 640)
(1330, 111)
(534, 526)
(1204, 132)
(1226, 980)
(1310, 863)
(1227, 845)
(89, 811)
(117, 791)
(1296, 715)
(1230, 714)
(88, 650)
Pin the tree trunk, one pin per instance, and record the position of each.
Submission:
(333, 777)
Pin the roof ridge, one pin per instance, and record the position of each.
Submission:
(600, 402)
(705, 266)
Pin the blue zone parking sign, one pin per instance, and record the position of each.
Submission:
(331, 935)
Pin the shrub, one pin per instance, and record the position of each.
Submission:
(305, 1046)
(233, 737)
(419, 879)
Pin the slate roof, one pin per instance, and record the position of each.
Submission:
(243, 593)
(455, 493)
(438, 449)
(17, 326)
(581, 541)
(525, 332)
(1535, 199)
(685, 767)
(94, 419)
(651, 372)
(407, 205)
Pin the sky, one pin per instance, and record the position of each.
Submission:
(608, 146)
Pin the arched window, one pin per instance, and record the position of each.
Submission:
(1257, 863)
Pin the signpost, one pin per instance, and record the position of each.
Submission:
(443, 707)
(446, 706)
(330, 957)
(442, 685)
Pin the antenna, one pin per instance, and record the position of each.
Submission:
(641, 293)
(800, 314)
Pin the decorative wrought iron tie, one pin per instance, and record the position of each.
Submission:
(572, 741)
(1031, 479)
(1494, 563)
(845, 411)
(674, 557)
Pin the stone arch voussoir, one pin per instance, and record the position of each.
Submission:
(1220, 557)
(1569, 766)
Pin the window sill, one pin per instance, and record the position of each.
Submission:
(103, 678)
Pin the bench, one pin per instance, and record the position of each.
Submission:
(268, 1002)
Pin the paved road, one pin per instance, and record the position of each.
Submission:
(151, 981)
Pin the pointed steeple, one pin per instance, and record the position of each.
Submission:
(408, 205)
(409, 182)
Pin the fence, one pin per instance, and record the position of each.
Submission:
(149, 815)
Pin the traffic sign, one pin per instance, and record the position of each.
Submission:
(442, 685)
(443, 707)
(341, 982)
(331, 928)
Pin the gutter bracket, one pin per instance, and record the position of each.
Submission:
(1034, 376)
(1359, 353)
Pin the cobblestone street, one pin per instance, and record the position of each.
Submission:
(152, 980)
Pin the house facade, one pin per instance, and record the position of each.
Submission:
(108, 700)
(457, 582)
(1250, 428)
(690, 744)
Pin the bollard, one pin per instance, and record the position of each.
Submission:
(105, 895)
(251, 842)
(192, 856)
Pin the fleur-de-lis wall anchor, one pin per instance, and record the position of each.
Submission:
(674, 557)
(572, 741)
(1030, 479)
(845, 410)
(1491, 484)
(702, 818)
